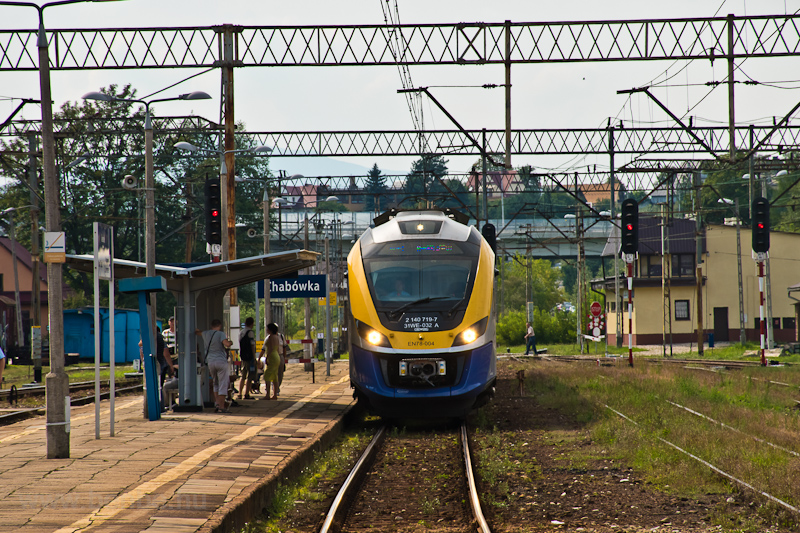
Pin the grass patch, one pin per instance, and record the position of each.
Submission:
(326, 467)
(749, 403)
(23, 374)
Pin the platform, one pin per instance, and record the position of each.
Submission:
(186, 472)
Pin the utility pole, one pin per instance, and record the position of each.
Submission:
(699, 259)
(227, 32)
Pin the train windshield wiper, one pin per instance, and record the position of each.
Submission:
(450, 312)
(415, 302)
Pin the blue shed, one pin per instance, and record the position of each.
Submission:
(79, 333)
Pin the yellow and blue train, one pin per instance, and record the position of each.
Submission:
(422, 324)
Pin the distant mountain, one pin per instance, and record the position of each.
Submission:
(323, 166)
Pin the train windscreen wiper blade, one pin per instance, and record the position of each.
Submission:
(450, 312)
(415, 302)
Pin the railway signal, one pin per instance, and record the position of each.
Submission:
(213, 211)
(760, 210)
(630, 226)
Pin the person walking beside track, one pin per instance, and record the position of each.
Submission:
(530, 339)
(216, 357)
(247, 353)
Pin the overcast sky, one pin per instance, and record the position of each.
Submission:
(570, 95)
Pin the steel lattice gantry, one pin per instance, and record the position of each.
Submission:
(597, 141)
(411, 44)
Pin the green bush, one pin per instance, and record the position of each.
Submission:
(550, 329)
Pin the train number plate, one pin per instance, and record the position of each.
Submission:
(420, 322)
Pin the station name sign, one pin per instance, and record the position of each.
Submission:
(300, 287)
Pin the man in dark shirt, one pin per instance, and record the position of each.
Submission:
(247, 353)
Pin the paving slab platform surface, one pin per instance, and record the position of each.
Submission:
(186, 472)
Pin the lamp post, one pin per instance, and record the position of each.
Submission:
(57, 382)
(149, 178)
(149, 185)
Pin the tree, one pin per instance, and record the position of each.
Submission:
(544, 284)
(375, 188)
(422, 183)
(91, 189)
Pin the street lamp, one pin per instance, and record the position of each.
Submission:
(149, 184)
(735, 204)
(57, 382)
(228, 206)
(150, 221)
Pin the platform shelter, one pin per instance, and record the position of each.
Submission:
(199, 289)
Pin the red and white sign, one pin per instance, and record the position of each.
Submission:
(596, 308)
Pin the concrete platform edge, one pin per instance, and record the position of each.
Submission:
(244, 508)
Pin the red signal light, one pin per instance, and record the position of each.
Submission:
(214, 213)
(629, 227)
(760, 225)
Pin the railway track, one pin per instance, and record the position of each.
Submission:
(366, 502)
(661, 360)
(13, 394)
(9, 416)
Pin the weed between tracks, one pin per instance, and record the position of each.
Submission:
(589, 434)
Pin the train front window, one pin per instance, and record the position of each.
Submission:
(406, 271)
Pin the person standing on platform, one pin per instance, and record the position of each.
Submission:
(2, 365)
(217, 343)
(170, 336)
(247, 353)
(272, 347)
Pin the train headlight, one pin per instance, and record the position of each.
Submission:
(372, 336)
(472, 333)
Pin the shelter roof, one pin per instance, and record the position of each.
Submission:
(204, 276)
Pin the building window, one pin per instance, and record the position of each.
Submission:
(682, 310)
(683, 265)
(788, 322)
(653, 266)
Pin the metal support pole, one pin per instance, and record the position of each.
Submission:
(485, 181)
(731, 106)
(617, 294)
(150, 221)
(266, 229)
(629, 261)
(742, 334)
(328, 343)
(309, 348)
(761, 306)
(508, 94)
(111, 343)
(36, 295)
(699, 259)
(17, 302)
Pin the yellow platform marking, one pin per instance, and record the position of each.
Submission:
(123, 501)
